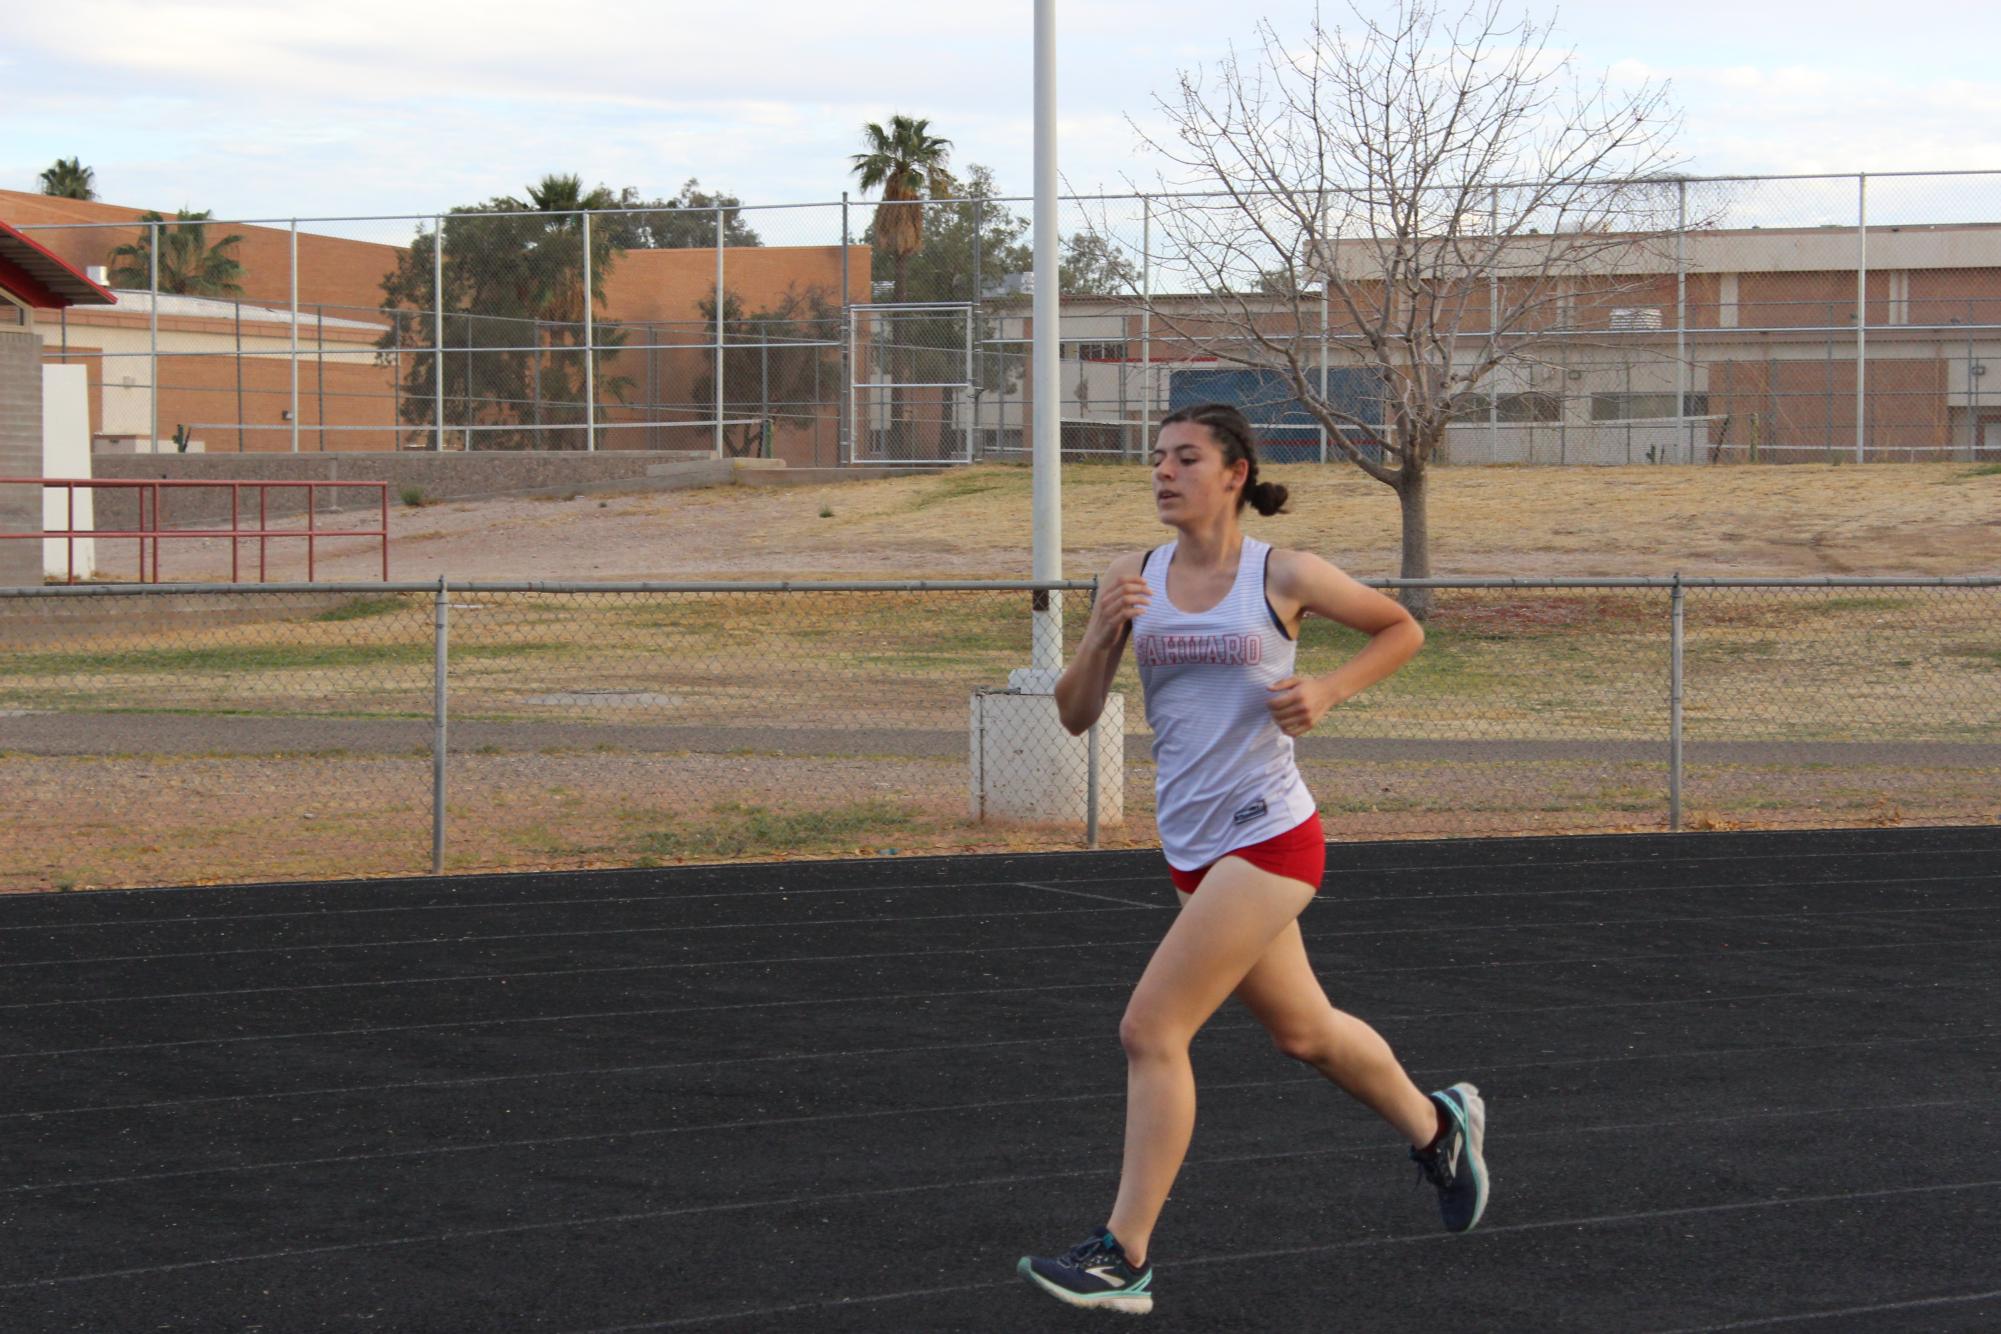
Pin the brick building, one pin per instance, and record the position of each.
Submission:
(226, 366)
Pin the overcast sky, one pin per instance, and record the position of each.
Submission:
(262, 108)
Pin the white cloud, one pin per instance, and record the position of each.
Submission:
(269, 107)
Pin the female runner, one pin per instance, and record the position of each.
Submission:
(1214, 618)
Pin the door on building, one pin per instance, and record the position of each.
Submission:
(1987, 435)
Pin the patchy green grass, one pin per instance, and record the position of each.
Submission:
(961, 485)
(1865, 604)
(254, 658)
(363, 608)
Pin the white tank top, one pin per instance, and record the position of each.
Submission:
(1224, 773)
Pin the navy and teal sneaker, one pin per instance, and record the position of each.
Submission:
(1093, 1273)
(1453, 1162)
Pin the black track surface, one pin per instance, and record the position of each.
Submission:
(1734, 1080)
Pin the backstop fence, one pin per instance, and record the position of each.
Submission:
(1776, 319)
(188, 734)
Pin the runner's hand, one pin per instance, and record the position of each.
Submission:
(1117, 605)
(1298, 703)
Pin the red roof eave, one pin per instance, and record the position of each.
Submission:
(37, 276)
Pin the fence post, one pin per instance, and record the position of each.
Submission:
(1682, 378)
(1325, 394)
(153, 333)
(719, 330)
(1674, 706)
(1147, 394)
(440, 622)
(295, 340)
(438, 332)
(1091, 787)
(590, 349)
(975, 451)
(844, 430)
(1861, 309)
(1494, 331)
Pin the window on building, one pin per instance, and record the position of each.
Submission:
(1470, 408)
(1529, 407)
(1636, 317)
(1094, 352)
(1635, 407)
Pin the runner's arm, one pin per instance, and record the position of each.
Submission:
(1081, 690)
(1313, 585)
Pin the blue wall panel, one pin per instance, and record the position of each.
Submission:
(1287, 433)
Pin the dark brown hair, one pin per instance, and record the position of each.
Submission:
(1232, 432)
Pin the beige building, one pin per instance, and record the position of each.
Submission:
(1734, 345)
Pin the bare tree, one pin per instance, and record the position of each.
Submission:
(1418, 201)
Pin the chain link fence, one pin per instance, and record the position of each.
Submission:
(1780, 319)
(195, 734)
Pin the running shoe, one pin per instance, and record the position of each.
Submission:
(1453, 1163)
(1092, 1273)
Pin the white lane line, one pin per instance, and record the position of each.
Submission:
(1959, 946)
(600, 1072)
(1327, 939)
(863, 886)
(1102, 898)
(1802, 914)
(1800, 1317)
(1946, 1033)
(648, 1215)
(797, 924)
(1328, 1248)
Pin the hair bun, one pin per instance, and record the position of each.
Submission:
(1269, 498)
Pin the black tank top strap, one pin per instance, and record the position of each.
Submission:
(1264, 586)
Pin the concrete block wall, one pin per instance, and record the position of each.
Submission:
(446, 476)
(20, 454)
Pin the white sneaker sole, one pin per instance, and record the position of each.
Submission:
(1137, 1303)
(1474, 1152)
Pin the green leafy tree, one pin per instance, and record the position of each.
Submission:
(189, 265)
(974, 234)
(771, 371)
(68, 178)
(1091, 265)
(686, 221)
(513, 305)
(976, 249)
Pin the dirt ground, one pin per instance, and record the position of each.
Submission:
(1800, 520)
(156, 818)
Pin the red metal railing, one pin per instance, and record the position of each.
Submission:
(152, 529)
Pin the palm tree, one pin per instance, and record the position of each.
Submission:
(188, 263)
(553, 280)
(560, 274)
(908, 162)
(69, 179)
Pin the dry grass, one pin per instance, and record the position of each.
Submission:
(1503, 665)
(1805, 519)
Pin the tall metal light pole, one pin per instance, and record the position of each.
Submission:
(1044, 378)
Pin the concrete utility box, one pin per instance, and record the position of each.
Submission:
(1026, 767)
(66, 453)
(20, 452)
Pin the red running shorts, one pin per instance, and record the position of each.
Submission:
(1300, 853)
